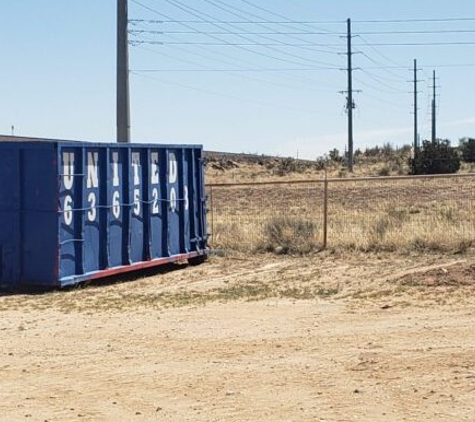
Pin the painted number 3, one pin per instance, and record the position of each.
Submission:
(92, 213)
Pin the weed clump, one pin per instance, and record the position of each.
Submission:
(290, 235)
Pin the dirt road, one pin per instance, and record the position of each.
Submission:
(323, 338)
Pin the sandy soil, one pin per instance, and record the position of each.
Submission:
(325, 338)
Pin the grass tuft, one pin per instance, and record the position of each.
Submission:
(290, 235)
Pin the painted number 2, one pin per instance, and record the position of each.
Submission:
(155, 208)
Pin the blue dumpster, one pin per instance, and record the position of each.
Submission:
(75, 211)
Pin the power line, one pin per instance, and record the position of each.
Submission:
(279, 43)
(419, 32)
(239, 73)
(221, 94)
(466, 19)
(133, 31)
(300, 22)
(239, 70)
(385, 101)
(218, 21)
(381, 82)
(254, 43)
(327, 33)
(420, 44)
(378, 52)
(223, 6)
(272, 13)
(385, 68)
(236, 67)
(232, 44)
(197, 13)
(218, 57)
(240, 10)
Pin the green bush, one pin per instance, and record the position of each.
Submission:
(435, 157)
(467, 147)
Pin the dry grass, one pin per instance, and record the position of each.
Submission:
(368, 215)
(290, 235)
(416, 279)
(126, 298)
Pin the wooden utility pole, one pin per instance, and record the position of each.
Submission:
(123, 101)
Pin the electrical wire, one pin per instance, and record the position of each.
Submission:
(283, 73)
(230, 33)
(329, 50)
(220, 94)
(379, 53)
(220, 40)
(198, 14)
(238, 73)
(411, 20)
(272, 13)
(420, 44)
(381, 82)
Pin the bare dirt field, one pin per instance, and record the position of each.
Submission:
(330, 337)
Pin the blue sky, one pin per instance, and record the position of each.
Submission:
(260, 76)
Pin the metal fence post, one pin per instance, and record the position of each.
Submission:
(212, 211)
(325, 211)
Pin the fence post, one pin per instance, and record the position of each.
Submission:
(212, 210)
(325, 211)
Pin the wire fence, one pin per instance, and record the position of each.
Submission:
(436, 212)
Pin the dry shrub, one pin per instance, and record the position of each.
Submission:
(400, 229)
(441, 238)
(390, 222)
(288, 165)
(384, 171)
(290, 235)
(230, 236)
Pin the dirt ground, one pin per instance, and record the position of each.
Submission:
(331, 337)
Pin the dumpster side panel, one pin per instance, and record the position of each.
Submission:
(71, 234)
(28, 214)
(93, 164)
(118, 214)
(38, 235)
(137, 213)
(173, 199)
(74, 211)
(9, 222)
(156, 203)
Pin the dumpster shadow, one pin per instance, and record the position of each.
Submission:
(127, 277)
